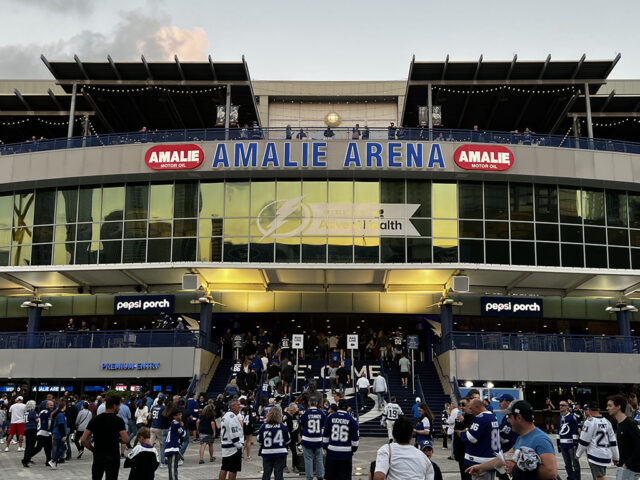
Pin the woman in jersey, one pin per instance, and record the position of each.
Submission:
(248, 419)
(423, 427)
(206, 426)
(273, 439)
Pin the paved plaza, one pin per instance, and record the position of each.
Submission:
(81, 469)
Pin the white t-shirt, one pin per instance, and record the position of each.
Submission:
(406, 462)
(362, 382)
(17, 412)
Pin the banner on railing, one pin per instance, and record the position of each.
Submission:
(511, 307)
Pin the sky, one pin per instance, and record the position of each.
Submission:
(317, 40)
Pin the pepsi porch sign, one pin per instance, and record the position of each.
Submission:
(511, 307)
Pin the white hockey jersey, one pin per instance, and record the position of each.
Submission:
(231, 434)
(391, 413)
(599, 441)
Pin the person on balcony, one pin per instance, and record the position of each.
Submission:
(391, 131)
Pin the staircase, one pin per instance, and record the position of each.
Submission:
(219, 379)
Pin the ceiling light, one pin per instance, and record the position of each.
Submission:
(490, 385)
(468, 384)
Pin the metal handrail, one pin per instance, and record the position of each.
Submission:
(318, 133)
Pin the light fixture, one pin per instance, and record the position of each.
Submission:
(490, 385)
(450, 301)
(468, 384)
(36, 303)
(622, 307)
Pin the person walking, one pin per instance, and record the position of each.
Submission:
(405, 370)
(628, 439)
(109, 432)
(380, 389)
(155, 419)
(568, 441)
(175, 438)
(143, 460)
(273, 438)
(340, 440)
(43, 435)
(547, 413)
(248, 419)
(312, 422)
(59, 431)
(30, 431)
(206, 427)
(400, 460)
(482, 439)
(232, 442)
(598, 441)
(391, 413)
(363, 390)
(82, 421)
(141, 416)
(423, 427)
(292, 421)
(16, 413)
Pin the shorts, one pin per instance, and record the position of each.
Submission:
(247, 430)
(404, 374)
(16, 429)
(233, 463)
(192, 425)
(597, 470)
(206, 439)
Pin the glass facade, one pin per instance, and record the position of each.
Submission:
(320, 221)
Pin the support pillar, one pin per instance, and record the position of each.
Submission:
(227, 113)
(576, 134)
(624, 325)
(33, 326)
(430, 110)
(587, 99)
(206, 315)
(72, 110)
(446, 322)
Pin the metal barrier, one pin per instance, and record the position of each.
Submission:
(103, 339)
(543, 342)
(320, 133)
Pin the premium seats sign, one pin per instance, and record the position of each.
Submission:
(483, 157)
(174, 157)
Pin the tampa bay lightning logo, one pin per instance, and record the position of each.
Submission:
(278, 222)
(564, 429)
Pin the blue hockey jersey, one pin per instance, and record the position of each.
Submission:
(156, 416)
(507, 436)
(312, 421)
(482, 439)
(174, 438)
(340, 436)
(44, 426)
(273, 439)
(567, 431)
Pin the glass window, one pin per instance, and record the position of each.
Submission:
(546, 203)
(340, 192)
(546, 231)
(595, 235)
(286, 189)
(470, 195)
(160, 206)
(392, 250)
(263, 194)
(497, 252)
(210, 227)
(445, 252)
(471, 229)
(497, 230)
(22, 235)
(618, 257)
(521, 199)
(185, 228)
(572, 255)
(635, 258)
(6, 209)
(63, 253)
(571, 233)
(137, 202)
(236, 227)
(210, 249)
(634, 211)
(88, 231)
(5, 236)
(134, 251)
(418, 250)
(522, 231)
(593, 207)
(236, 199)
(21, 255)
(288, 251)
(419, 192)
(314, 249)
(616, 209)
(444, 198)
(366, 249)
(67, 205)
(393, 191)
(45, 206)
(340, 250)
(423, 225)
(211, 199)
(23, 209)
(261, 250)
(65, 233)
(236, 249)
(548, 254)
(472, 251)
(5, 255)
(43, 234)
(160, 229)
(445, 228)
(596, 257)
(135, 229)
(159, 250)
(111, 252)
(635, 238)
(570, 205)
(618, 236)
(111, 231)
(86, 253)
(496, 202)
(366, 192)
(41, 254)
(89, 204)
(184, 250)
(314, 192)
(112, 203)
(186, 200)
(523, 253)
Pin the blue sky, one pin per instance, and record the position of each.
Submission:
(322, 40)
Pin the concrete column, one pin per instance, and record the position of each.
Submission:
(446, 322)
(72, 110)
(206, 314)
(430, 110)
(624, 325)
(227, 113)
(587, 99)
(33, 326)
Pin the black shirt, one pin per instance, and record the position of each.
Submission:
(106, 429)
(459, 447)
(628, 439)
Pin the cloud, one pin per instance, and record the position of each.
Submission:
(60, 6)
(137, 33)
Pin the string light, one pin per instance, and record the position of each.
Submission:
(613, 124)
(505, 88)
(566, 135)
(17, 122)
(150, 88)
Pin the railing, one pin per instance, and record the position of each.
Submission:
(103, 339)
(531, 342)
(321, 133)
(419, 392)
(192, 386)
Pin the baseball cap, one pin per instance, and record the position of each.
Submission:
(418, 399)
(162, 396)
(519, 406)
(505, 396)
(426, 443)
(592, 406)
(19, 398)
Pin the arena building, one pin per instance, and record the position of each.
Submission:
(499, 222)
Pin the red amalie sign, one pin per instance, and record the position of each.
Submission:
(174, 157)
(483, 157)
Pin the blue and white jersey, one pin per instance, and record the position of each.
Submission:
(567, 431)
(44, 425)
(231, 434)
(156, 416)
(340, 436)
(482, 439)
(635, 416)
(507, 436)
(174, 438)
(599, 441)
(421, 426)
(265, 390)
(273, 439)
(312, 422)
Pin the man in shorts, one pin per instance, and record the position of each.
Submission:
(16, 413)
(232, 442)
(405, 369)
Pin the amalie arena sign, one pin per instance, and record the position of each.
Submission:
(483, 157)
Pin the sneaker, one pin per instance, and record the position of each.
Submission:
(25, 464)
(52, 464)
(180, 462)
(20, 449)
(201, 462)
(212, 459)
(80, 454)
(6, 449)
(14, 442)
(286, 470)
(295, 470)
(163, 465)
(122, 455)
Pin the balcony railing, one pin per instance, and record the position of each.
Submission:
(319, 133)
(103, 339)
(531, 342)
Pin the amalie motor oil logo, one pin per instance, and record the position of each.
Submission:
(174, 157)
(483, 157)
